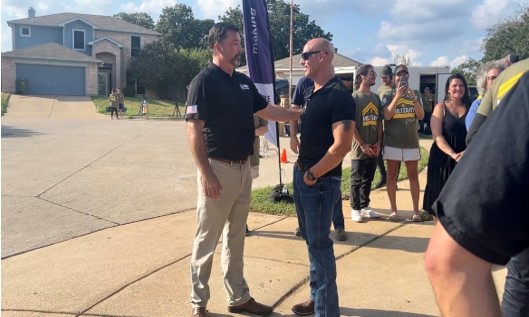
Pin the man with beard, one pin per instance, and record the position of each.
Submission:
(219, 114)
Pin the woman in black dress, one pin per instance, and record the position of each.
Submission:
(449, 133)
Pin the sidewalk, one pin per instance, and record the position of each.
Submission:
(141, 268)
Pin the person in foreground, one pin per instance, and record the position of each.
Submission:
(482, 212)
(220, 126)
(326, 137)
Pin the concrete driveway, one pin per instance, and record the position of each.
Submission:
(52, 107)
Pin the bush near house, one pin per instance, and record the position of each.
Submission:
(5, 99)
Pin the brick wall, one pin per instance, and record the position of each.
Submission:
(9, 73)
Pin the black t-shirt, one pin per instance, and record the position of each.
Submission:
(483, 205)
(226, 104)
(329, 104)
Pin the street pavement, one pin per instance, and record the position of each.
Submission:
(98, 218)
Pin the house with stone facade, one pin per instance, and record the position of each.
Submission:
(71, 54)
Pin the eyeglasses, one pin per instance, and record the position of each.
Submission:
(491, 77)
(372, 73)
(305, 56)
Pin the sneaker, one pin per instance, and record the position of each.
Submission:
(356, 216)
(340, 235)
(368, 213)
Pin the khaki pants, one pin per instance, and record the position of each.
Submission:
(226, 216)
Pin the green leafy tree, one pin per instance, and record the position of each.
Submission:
(179, 27)
(468, 69)
(509, 36)
(279, 17)
(165, 69)
(138, 18)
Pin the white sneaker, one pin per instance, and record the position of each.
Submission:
(356, 216)
(368, 213)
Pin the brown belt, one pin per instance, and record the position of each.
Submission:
(240, 162)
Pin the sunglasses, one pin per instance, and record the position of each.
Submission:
(305, 56)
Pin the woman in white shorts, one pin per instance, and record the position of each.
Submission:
(402, 109)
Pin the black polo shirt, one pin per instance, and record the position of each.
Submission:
(330, 104)
(226, 104)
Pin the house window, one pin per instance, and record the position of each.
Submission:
(78, 40)
(25, 31)
(135, 46)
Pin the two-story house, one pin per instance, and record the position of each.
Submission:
(71, 54)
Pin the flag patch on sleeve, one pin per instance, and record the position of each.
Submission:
(192, 109)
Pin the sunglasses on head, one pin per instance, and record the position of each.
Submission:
(305, 56)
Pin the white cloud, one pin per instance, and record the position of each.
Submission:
(152, 7)
(458, 61)
(380, 61)
(441, 61)
(213, 8)
(489, 13)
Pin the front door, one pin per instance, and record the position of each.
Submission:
(103, 83)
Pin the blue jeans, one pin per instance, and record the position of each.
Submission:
(515, 301)
(314, 206)
(337, 215)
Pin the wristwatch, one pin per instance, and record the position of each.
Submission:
(310, 176)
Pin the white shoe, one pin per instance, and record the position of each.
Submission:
(356, 216)
(368, 213)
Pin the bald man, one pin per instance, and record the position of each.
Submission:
(326, 137)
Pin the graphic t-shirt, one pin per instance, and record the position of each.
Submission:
(401, 130)
(368, 117)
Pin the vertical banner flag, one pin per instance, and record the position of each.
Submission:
(258, 46)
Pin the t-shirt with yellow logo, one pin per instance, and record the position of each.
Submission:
(368, 117)
(401, 131)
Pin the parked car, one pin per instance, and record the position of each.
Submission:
(472, 93)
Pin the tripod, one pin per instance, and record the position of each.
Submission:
(176, 111)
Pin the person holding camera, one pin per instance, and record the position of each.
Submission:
(402, 109)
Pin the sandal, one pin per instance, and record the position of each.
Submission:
(416, 218)
(393, 216)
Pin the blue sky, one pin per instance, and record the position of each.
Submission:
(429, 32)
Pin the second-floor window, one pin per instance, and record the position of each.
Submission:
(135, 45)
(78, 40)
(25, 31)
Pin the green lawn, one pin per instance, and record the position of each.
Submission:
(262, 203)
(157, 107)
(5, 99)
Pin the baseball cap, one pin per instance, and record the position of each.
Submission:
(401, 68)
(386, 71)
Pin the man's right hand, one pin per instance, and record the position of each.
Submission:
(294, 144)
(211, 185)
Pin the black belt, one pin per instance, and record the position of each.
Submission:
(300, 167)
(231, 162)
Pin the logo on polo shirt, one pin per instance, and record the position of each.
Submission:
(244, 87)
(192, 109)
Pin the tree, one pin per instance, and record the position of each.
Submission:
(509, 36)
(468, 69)
(163, 68)
(279, 17)
(138, 18)
(179, 27)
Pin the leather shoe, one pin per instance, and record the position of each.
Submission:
(199, 312)
(251, 307)
(305, 308)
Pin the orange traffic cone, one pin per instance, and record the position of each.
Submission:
(284, 156)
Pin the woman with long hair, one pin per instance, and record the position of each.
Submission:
(449, 133)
